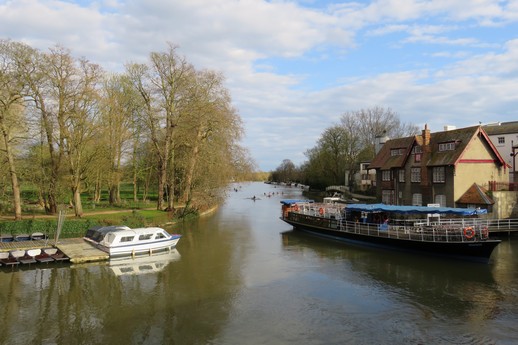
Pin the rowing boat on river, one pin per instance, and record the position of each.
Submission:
(461, 234)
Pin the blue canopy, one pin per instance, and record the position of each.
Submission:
(414, 209)
(294, 201)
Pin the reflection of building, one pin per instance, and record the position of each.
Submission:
(439, 168)
(504, 136)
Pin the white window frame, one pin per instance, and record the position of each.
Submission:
(385, 175)
(401, 175)
(501, 140)
(439, 174)
(387, 196)
(449, 146)
(440, 199)
(415, 175)
(397, 152)
(417, 199)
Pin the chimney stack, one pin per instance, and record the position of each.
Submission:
(426, 136)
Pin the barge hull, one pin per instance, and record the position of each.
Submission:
(471, 251)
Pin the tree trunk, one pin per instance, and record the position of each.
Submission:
(170, 184)
(14, 177)
(189, 176)
(135, 196)
(78, 206)
(51, 206)
(161, 186)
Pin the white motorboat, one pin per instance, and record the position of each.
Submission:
(124, 241)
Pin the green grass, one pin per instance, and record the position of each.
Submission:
(128, 212)
(73, 227)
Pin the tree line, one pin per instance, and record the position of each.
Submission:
(342, 147)
(68, 127)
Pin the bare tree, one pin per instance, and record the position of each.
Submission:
(162, 86)
(210, 127)
(63, 91)
(78, 127)
(171, 76)
(11, 109)
(35, 70)
(117, 125)
(342, 146)
(371, 122)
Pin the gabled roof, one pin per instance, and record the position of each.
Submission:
(384, 160)
(461, 137)
(476, 195)
(502, 128)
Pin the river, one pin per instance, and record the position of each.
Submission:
(242, 276)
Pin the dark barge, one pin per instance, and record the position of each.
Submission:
(389, 226)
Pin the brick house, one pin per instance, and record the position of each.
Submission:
(438, 168)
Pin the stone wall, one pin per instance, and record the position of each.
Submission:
(505, 204)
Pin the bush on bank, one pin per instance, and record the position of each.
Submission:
(73, 227)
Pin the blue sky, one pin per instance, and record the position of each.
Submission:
(294, 67)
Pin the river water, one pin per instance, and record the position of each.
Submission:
(241, 276)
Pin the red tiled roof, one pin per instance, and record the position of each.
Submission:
(384, 160)
(461, 137)
(476, 195)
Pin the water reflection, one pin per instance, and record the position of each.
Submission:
(144, 264)
(462, 289)
(243, 277)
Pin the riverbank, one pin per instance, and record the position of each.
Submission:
(75, 248)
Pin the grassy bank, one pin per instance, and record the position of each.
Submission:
(73, 227)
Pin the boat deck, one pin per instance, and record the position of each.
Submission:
(77, 249)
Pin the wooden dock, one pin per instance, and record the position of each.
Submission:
(77, 249)
(80, 251)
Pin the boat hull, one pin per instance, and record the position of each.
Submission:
(479, 251)
(141, 249)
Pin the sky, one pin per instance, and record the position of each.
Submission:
(294, 68)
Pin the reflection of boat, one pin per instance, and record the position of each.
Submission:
(456, 290)
(123, 241)
(143, 264)
(388, 226)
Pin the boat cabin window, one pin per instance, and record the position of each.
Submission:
(159, 235)
(145, 237)
(127, 238)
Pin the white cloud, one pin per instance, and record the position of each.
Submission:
(271, 52)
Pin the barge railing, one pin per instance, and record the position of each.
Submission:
(442, 230)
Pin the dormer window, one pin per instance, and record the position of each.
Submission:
(418, 152)
(449, 146)
(397, 152)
